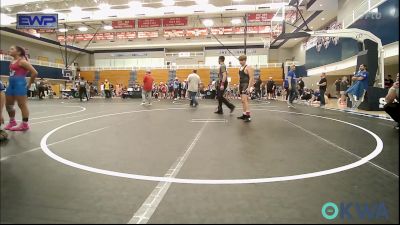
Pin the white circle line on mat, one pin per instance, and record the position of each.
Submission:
(63, 114)
(362, 161)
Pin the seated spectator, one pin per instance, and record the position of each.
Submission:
(392, 106)
(306, 95)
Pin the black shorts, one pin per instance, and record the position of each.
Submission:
(243, 87)
(270, 91)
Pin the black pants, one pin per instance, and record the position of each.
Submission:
(41, 92)
(107, 93)
(322, 92)
(258, 93)
(82, 91)
(222, 99)
(291, 95)
(287, 93)
(393, 109)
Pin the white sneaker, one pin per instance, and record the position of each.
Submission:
(290, 105)
(143, 103)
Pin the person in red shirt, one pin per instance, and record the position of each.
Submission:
(147, 88)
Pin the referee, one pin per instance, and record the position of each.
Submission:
(221, 87)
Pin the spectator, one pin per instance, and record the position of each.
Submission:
(176, 85)
(193, 81)
(184, 88)
(107, 89)
(40, 85)
(147, 88)
(300, 83)
(337, 87)
(3, 134)
(322, 88)
(82, 89)
(270, 88)
(344, 84)
(389, 81)
(257, 87)
(32, 90)
(358, 89)
(307, 95)
(292, 83)
(102, 89)
(392, 106)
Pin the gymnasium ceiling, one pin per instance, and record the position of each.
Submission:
(94, 13)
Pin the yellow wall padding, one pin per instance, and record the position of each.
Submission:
(88, 75)
(275, 73)
(115, 76)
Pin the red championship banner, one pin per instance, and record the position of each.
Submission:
(175, 22)
(197, 32)
(149, 23)
(61, 38)
(125, 35)
(228, 30)
(48, 31)
(174, 33)
(147, 34)
(238, 30)
(105, 36)
(264, 29)
(123, 24)
(252, 30)
(217, 31)
(259, 17)
(83, 37)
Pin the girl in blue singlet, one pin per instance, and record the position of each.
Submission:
(17, 88)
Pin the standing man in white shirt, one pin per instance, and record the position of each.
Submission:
(193, 87)
(102, 89)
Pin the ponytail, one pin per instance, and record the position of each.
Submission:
(22, 52)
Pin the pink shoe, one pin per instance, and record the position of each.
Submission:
(22, 127)
(11, 124)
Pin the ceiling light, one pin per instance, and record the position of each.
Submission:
(236, 21)
(208, 23)
(277, 5)
(104, 6)
(75, 8)
(238, 0)
(48, 11)
(168, 2)
(322, 18)
(392, 11)
(201, 2)
(135, 4)
(108, 27)
(320, 5)
(62, 30)
(82, 29)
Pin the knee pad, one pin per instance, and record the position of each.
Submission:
(9, 108)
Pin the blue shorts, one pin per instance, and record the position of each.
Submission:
(16, 86)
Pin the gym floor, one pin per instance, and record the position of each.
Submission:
(118, 162)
